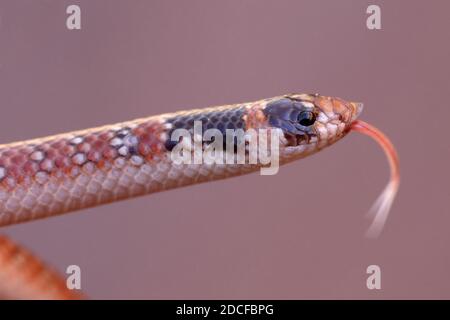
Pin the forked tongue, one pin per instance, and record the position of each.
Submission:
(380, 209)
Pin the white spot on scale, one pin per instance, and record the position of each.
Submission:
(167, 126)
(76, 140)
(163, 136)
(2, 173)
(37, 156)
(123, 151)
(79, 158)
(115, 142)
(123, 132)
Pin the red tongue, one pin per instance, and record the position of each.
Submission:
(381, 207)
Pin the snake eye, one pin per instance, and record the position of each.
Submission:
(306, 118)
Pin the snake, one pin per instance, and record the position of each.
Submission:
(67, 172)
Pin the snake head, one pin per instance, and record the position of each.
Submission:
(311, 120)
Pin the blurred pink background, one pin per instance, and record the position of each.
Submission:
(298, 234)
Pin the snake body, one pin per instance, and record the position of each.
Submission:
(67, 172)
